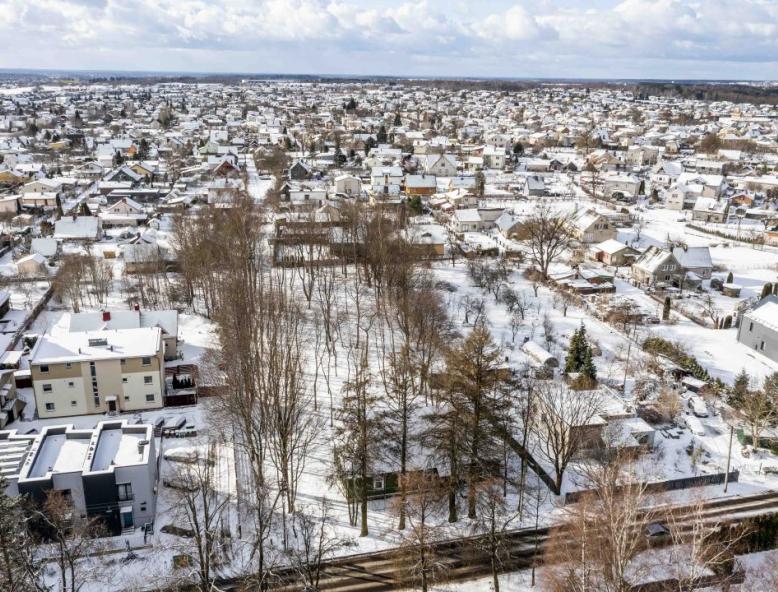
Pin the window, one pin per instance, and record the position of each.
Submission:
(46, 388)
(71, 384)
(44, 368)
(73, 403)
(761, 346)
(122, 361)
(378, 482)
(49, 406)
(148, 379)
(149, 398)
(146, 361)
(124, 380)
(125, 491)
(68, 365)
(751, 326)
(126, 397)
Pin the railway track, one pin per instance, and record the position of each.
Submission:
(464, 558)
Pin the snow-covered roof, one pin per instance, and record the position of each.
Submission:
(96, 345)
(693, 257)
(765, 313)
(83, 227)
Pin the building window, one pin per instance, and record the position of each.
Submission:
(148, 379)
(49, 406)
(71, 384)
(44, 368)
(46, 388)
(124, 491)
(124, 380)
(146, 361)
(126, 397)
(73, 403)
(149, 398)
(68, 365)
(122, 361)
(761, 346)
(751, 326)
(378, 483)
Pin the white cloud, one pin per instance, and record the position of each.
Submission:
(562, 38)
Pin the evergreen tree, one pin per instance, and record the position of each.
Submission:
(767, 290)
(740, 387)
(666, 309)
(730, 278)
(588, 369)
(381, 135)
(579, 355)
(480, 184)
(84, 210)
(397, 120)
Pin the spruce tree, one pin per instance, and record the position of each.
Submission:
(574, 354)
(767, 289)
(740, 387)
(730, 278)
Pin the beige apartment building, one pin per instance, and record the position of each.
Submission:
(98, 371)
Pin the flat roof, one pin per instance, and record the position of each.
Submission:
(116, 446)
(86, 345)
(59, 453)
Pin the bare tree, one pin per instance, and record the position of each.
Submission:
(72, 538)
(425, 494)
(547, 236)
(563, 424)
(20, 569)
(494, 520)
(314, 543)
(200, 507)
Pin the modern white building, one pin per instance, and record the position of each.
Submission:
(109, 472)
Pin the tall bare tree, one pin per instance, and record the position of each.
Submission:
(547, 236)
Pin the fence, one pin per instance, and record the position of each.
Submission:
(31, 317)
(669, 485)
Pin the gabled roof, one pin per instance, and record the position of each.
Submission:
(693, 257)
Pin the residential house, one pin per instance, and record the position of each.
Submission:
(420, 184)
(657, 266)
(694, 260)
(348, 185)
(758, 328)
(77, 228)
(710, 209)
(108, 472)
(88, 372)
(589, 226)
(440, 165)
(613, 252)
(386, 180)
(32, 265)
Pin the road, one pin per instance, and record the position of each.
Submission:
(465, 558)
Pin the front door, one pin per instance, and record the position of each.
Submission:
(111, 406)
(127, 520)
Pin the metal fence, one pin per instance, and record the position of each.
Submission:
(669, 485)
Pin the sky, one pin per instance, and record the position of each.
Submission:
(664, 39)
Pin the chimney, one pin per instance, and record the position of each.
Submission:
(106, 315)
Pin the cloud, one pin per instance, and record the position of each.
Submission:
(554, 38)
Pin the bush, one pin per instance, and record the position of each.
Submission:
(673, 351)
